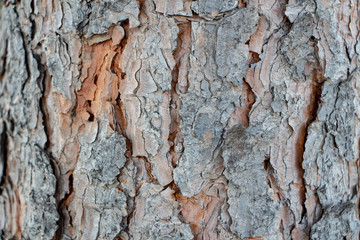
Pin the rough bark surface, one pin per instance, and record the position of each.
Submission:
(181, 119)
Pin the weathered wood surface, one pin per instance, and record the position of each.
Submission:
(181, 119)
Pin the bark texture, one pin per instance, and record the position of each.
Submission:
(181, 119)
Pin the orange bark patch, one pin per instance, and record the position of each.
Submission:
(101, 78)
(201, 212)
(257, 39)
(100, 84)
(241, 4)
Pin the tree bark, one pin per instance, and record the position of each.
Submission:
(182, 119)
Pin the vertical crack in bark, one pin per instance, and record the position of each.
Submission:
(45, 82)
(248, 97)
(63, 209)
(181, 56)
(118, 106)
(271, 178)
(300, 148)
(148, 168)
(32, 19)
(120, 124)
(26, 51)
(6, 181)
(178, 86)
(274, 184)
(317, 80)
(4, 60)
(4, 153)
(44, 76)
(314, 105)
(357, 192)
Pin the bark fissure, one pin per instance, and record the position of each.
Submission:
(44, 81)
(318, 79)
(181, 56)
(4, 59)
(26, 52)
(63, 211)
(4, 152)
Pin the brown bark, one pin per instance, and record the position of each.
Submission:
(183, 119)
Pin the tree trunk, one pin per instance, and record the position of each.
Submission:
(179, 119)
